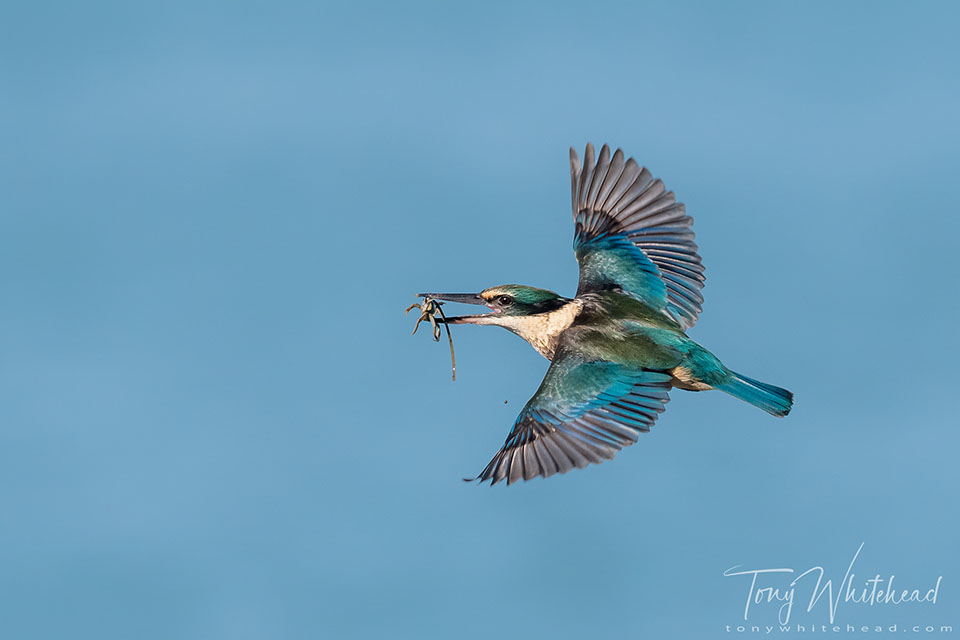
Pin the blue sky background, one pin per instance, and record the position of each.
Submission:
(215, 424)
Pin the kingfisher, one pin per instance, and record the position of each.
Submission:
(619, 346)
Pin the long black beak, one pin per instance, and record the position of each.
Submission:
(465, 298)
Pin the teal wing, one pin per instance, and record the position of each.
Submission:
(633, 236)
(584, 412)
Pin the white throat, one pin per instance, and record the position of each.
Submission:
(541, 330)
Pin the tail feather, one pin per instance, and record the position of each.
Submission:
(773, 400)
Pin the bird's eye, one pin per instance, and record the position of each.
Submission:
(504, 300)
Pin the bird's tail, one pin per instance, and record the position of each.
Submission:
(773, 400)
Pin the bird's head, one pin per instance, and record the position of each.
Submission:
(505, 300)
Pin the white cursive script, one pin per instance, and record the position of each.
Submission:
(876, 590)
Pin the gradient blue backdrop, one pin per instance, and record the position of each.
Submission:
(215, 424)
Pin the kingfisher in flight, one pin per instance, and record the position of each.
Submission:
(620, 345)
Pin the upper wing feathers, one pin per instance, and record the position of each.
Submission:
(618, 204)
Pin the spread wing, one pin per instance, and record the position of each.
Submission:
(584, 412)
(633, 235)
